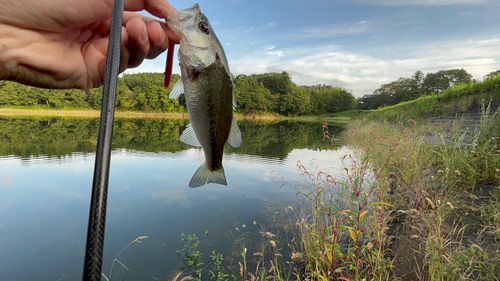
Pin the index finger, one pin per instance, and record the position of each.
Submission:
(127, 16)
(158, 8)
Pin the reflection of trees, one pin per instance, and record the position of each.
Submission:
(280, 138)
(59, 136)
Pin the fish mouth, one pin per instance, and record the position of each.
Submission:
(177, 19)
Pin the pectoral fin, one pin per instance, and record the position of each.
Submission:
(234, 139)
(189, 136)
(177, 90)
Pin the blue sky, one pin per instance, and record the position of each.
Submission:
(357, 44)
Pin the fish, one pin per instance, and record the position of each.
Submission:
(207, 85)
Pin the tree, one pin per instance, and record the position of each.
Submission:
(440, 81)
(493, 74)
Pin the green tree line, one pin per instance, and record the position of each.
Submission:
(268, 92)
(420, 84)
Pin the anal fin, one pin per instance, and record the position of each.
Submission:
(234, 138)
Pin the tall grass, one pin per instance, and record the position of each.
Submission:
(445, 233)
(343, 236)
(397, 182)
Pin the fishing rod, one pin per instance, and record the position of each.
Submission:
(97, 216)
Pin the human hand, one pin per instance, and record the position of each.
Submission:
(64, 43)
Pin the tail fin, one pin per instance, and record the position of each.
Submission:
(203, 176)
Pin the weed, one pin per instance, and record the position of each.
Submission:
(190, 256)
(217, 274)
(443, 235)
(115, 260)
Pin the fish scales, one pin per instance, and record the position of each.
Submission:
(208, 110)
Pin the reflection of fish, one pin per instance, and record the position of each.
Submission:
(208, 88)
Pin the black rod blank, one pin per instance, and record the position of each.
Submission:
(97, 216)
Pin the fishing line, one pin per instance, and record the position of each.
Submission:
(97, 216)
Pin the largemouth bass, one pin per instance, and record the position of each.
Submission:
(207, 85)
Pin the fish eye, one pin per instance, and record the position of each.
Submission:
(203, 27)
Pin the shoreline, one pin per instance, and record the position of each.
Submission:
(91, 113)
(120, 114)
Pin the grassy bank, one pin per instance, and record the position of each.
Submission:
(121, 114)
(446, 223)
(446, 191)
(89, 113)
(163, 115)
(407, 207)
(452, 101)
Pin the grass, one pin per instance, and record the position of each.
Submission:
(110, 276)
(415, 201)
(443, 193)
(122, 114)
(341, 117)
(405, 208)
(337, 229)
(89, 113)
(453, 100)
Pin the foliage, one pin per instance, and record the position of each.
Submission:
(343, 235)
(456, 99)
(218, 273)
(493, 74)
(275, 92)
(479, 160)
(440, 81)
(446, 232)
(407, 89)
(268, 92)
(190, 256)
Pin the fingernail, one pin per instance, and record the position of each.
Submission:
(162, 37)
(144, 35)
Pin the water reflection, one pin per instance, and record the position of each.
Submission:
(46, 172)
(57, 137)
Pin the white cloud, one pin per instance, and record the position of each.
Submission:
(422, 2)
(360, 72)
(268, 47)
(333, 31)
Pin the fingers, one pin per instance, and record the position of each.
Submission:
(140, 41)
(124, 50)
(158, 8)
(127, 16)
(158, 39)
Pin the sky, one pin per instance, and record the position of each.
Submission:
(354, 44)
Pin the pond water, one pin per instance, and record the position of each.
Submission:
(46, 168)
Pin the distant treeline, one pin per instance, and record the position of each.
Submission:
(268, 93)
(420, 84)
